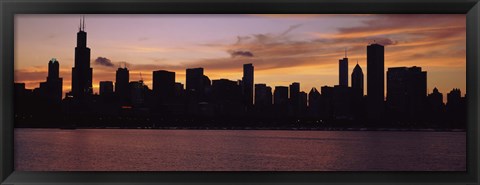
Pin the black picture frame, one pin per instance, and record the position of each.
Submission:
(8, 8)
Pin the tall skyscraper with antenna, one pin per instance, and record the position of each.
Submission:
(82, 72)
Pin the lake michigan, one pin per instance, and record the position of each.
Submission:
(237, 150)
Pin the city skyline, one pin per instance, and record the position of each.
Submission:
(312, 67)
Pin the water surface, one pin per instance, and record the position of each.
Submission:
(237, 150)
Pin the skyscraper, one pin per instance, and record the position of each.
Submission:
(280, 95)
(248, 84)
(194, 79)
(294, 98)
(357, 80)
(55, 83)
(122, 90)
(375, 81)
(82, 72)
(406, 91)
(163, 84)
(106, 88)
(263, 95)
(343, 71)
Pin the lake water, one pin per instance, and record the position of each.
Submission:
(237, 150)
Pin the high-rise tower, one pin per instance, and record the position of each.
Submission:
(343, 71)
(82, 72)
(248, 84)
(375, 81)
(122, 87)
(357, 80)
(52, 88)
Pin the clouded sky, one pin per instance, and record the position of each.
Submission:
(283, 48)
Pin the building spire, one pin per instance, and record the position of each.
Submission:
(83, 25)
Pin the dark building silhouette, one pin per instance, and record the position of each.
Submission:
(164, 84)
(357, 80)
(294, 99)
(53, 86)
(454, 98)
(375, 81)
(341, 102)
(280, 95)
(456, 109)
(179, 89)
(106, 88)
(343, 71)
(326, 102)
(406, 92)
(314, 102)
(436, 107)
(228, 97)
(82, 72)
(358, 101)
(122, 87)
(248, 83)
(294, 90)
(263, 95)
(195, 80)
(280, 100)
(138, 93)
(302, 103)
(435, 100)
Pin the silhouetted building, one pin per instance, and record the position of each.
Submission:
(406, 92)
(294, 90)
(375, 81)
(326, 102)
(263, 95)
(106, 88)
(453, 98)
(53, 85)
(228, 97)
(343, 71)
(302, 103)
(436, 106)
(179, 90)
(248, 82)
(294, 98)
(357, 80)
(280, 100)
(122, 87)
(195, 80)
(82, 72)
(314, 102)
(138, 92)
(280, 95)
(163, 84)
(341, 102)
(456, 109)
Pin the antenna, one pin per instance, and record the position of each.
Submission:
(357, 61)
(83, 25)
(141, 78)
(345, 52)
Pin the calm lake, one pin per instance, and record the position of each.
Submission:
(237, 150)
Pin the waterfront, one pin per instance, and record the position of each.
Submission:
(237, 150)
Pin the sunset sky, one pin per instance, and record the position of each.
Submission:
(283, 48)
